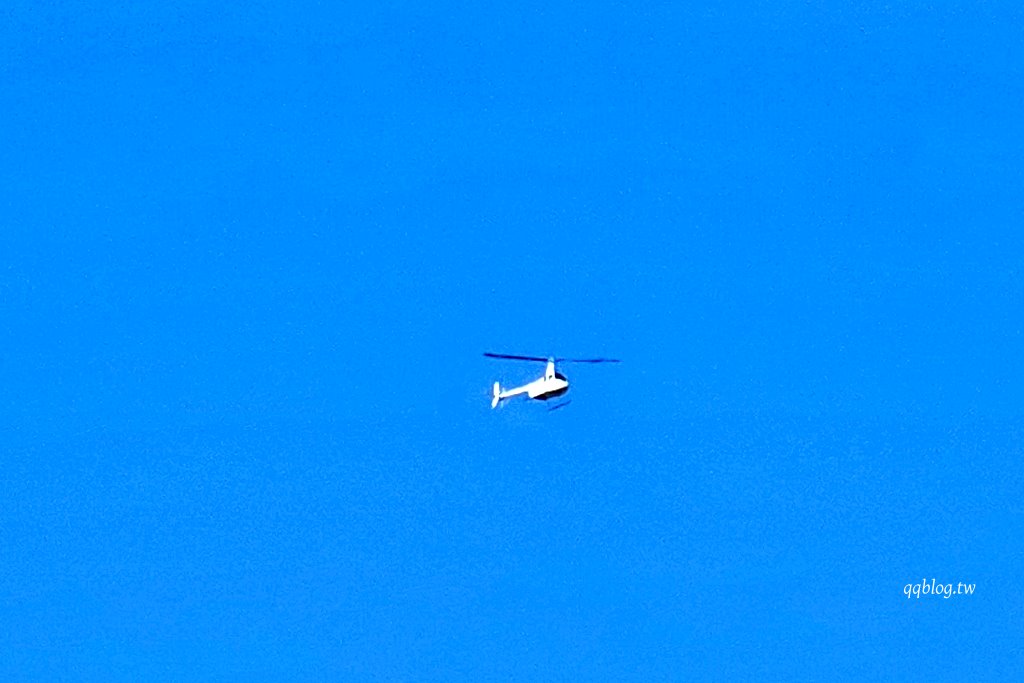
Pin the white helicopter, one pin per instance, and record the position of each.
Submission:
(552, 385)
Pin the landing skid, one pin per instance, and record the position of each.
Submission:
(560, 405)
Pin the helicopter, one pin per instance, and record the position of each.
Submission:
(552, 385)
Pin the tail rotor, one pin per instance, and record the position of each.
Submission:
(496, 396)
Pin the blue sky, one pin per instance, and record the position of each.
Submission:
(251, 259)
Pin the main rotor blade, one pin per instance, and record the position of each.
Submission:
(587, 360)
(510, 357)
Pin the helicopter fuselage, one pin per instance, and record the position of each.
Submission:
(551, 385)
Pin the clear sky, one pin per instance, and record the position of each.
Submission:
(250, 259)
